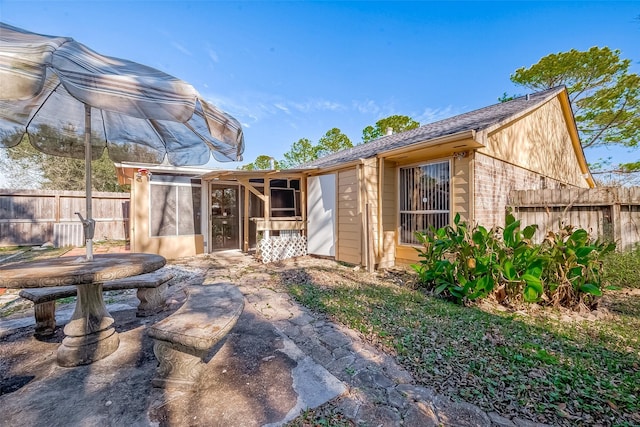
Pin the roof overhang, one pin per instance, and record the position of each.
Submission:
(126, 170)
(444, 145)
(239, 175)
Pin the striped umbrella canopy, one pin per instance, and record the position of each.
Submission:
(71, 101)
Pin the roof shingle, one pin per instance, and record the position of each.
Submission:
(477, 120)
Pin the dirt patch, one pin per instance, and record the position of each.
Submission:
(231, 390)
(328, 273)
(113, 391)
(248, 381)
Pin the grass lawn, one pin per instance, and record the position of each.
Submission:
(543, 365)
(27, 253)
(31, 253)
(621, 269)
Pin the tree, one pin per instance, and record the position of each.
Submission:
(302, 151)
(64, 173)
(397, 123)
(604, 95)
(262, 162)
(506, 97)
(332, 141)
(20, 173)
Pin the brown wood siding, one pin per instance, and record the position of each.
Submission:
(493, 180)
(539, 142)
(462, 187)
(406, 255)
(389, 214)
(349, 225)
(370, 212)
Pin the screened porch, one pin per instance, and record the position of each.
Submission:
(262, 211)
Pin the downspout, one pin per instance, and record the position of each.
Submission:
(380, 242)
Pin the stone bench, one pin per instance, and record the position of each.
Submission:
(183, 341)
(151, 288)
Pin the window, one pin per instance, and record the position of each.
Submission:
(424, 199)
(285, 198)
(174, 206)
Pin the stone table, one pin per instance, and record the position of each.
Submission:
(90, 334)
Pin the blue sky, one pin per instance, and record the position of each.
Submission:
(291, 70)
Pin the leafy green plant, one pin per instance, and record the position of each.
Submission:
(465, 263)
(520, 261)
(573, 267)
(459, 262)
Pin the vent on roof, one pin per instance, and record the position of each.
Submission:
(528, 97)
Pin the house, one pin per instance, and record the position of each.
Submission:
(363, 205)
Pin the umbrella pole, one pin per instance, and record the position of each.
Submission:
(88, 228)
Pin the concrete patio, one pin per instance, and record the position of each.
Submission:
(279, 360)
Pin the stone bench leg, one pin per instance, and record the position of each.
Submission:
(45, 314)
(180, 367)
(90, 334)
(152, 300)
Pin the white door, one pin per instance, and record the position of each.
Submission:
(321, 215)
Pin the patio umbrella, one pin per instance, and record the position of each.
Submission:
(71, 101)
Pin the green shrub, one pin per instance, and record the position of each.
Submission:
(573, 267)
(459, 263)
(520, 262)
(465, 263)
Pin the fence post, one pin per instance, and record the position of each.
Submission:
(617, 224)
(57, 205)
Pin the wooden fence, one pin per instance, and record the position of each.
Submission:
(34, 217)
(612, 214)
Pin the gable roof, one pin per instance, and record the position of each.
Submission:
(477, 120)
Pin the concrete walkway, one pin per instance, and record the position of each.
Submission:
(378, 391)
(279, 360)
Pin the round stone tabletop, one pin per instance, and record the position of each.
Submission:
(65, 271)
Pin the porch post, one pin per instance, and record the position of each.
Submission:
(245, 225)
(267, 207)
(303, 203)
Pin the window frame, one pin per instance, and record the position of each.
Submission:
(283, 211)
(400, 188)
(292, 184)
(177, 182)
